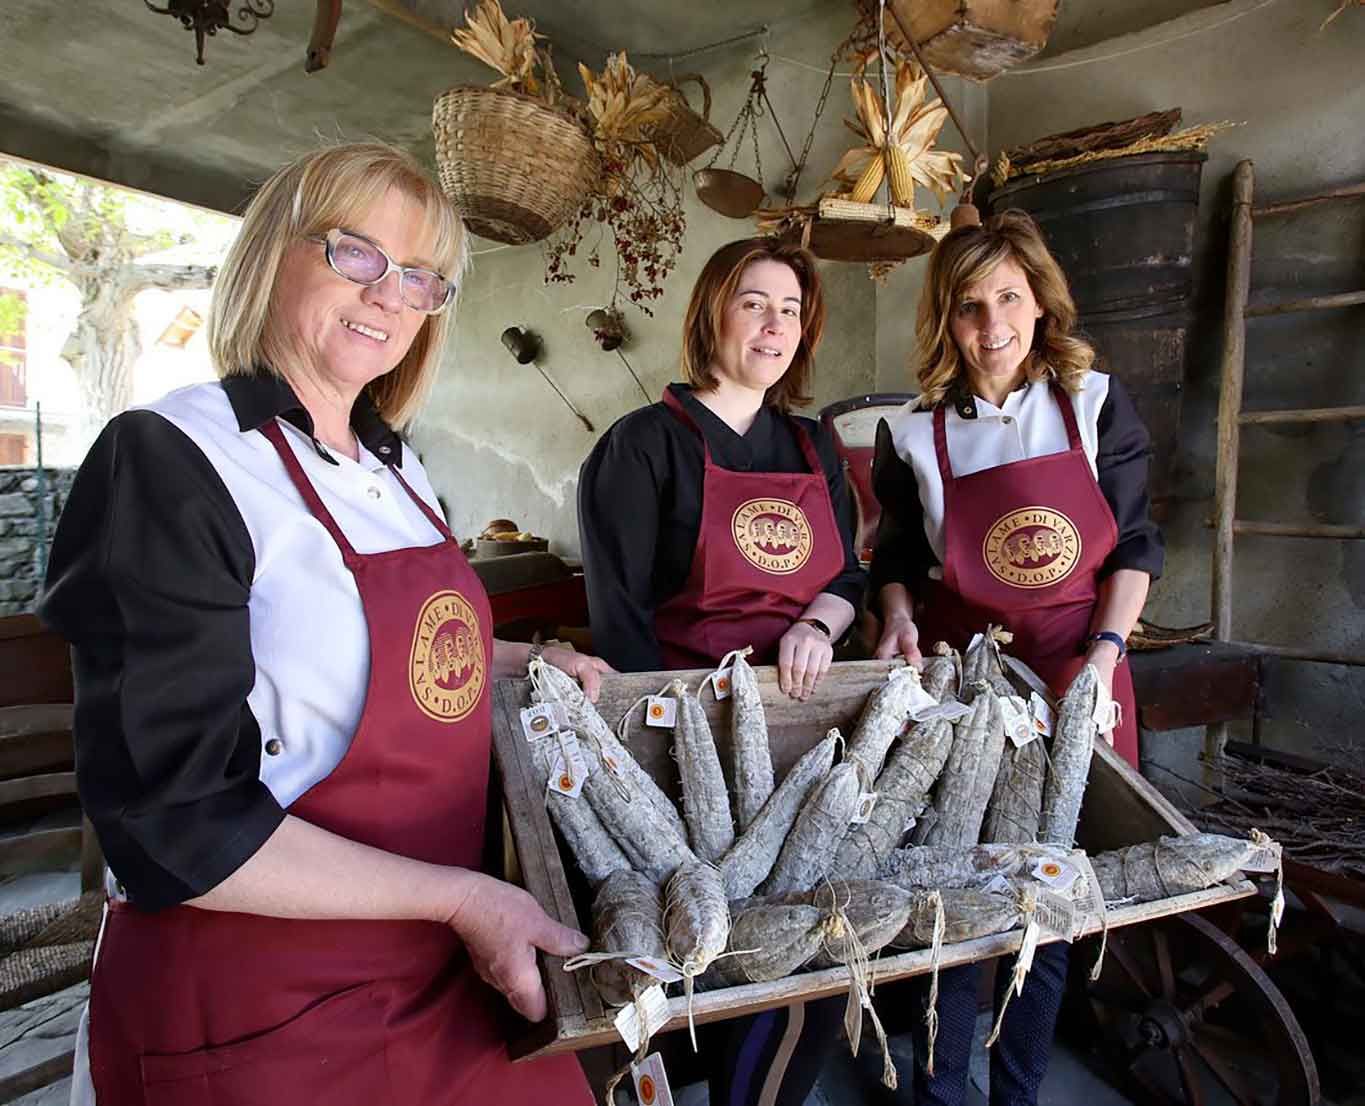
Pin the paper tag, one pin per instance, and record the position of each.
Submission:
(1056, 915)
(998, 885)
(1261, 860)
(1043, 717)
(867, 802)
(655, 1008)
(950, 709)
(720, 682)
(1057, 874)
(976, 640)
(651, 1084)
(1106, 710)
(659, 969)
(661, 711)
(538, 721)
(570, 769)
(1018, 721)
(1027, 947)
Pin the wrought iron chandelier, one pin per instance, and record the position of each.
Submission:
(208, 17)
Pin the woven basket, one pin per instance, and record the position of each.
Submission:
(684, 134)
(516, 169)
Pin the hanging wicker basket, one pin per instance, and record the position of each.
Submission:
(685, 135)
(516, 169)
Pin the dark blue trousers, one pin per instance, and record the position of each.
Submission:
(1019, 1058)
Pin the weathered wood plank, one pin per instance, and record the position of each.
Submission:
(35, 664)
(1194, 684)
(39, 850)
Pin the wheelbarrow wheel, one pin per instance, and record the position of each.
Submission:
(1186, 1017)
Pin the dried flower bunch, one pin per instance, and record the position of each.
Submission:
(635, 197)
(907, 146)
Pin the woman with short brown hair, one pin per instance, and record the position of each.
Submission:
(681, 503)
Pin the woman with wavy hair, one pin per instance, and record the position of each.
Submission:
(1013, 491)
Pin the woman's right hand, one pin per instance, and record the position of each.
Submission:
(900, 638)
(502, 927)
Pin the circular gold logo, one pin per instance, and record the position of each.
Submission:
(773, 535)
(447, 667)
(1032, 548)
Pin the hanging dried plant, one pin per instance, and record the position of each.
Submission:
(907, 148)
(1340, 8)
(510, 47)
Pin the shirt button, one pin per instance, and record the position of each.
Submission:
(373, 492)
(1007, 420)
(385, 450)
(274, 747)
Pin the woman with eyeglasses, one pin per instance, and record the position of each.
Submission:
(282, 746)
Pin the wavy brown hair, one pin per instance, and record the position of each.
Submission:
(326, 188)
(715, 287)
(970, 254)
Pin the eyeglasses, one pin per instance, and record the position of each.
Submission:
(364, 262)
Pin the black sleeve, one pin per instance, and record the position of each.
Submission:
(1122, 461)
(620, 488)
(902, 553)
(150, 571)
(852, 580)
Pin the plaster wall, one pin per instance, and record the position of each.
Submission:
(1297, 95)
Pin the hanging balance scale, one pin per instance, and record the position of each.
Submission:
(839, 228)
(727, 191)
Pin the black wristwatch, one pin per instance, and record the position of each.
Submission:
(818, 625)
(1114, 639)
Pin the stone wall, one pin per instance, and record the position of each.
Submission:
(21, 567)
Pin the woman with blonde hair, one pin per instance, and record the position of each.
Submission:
(1013, 491)
(296, 834)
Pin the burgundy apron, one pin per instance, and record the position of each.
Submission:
(198, 1007)
(768, 545)
(1023, 546)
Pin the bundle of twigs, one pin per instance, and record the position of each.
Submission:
(1319, 816)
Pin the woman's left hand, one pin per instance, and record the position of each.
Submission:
(587, 670)
(1104, 655)
(803, 657)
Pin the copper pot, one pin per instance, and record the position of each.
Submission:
(727, 192)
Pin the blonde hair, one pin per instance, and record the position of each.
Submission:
(328, 188)
(969, 255)
(711, 294)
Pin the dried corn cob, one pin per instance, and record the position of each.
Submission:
(754, 852)
(706, 802)
(865, 187)
(627, 917)
(942, 672)
(549, 684)
(902, 180)
(1017, 801)
(1072, 744)
(964, 787)
(753, 763)
(768, 941)
(819, 830)
(882, 721)
(902, 794)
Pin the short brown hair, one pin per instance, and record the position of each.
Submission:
(970, 254)
(717, 284)
(323, 189)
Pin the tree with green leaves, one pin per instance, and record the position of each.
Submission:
(59, 228)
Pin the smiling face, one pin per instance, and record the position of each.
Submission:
(348, 334)
(993, 326)
(760, 328)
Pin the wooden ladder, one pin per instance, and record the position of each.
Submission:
(1231, 417)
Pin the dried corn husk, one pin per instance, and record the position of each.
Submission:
(507, 45)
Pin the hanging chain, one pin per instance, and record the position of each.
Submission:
(886, 102)
(814, 123)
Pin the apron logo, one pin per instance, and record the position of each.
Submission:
(1032, 548)
(447, 667)
(773, 535)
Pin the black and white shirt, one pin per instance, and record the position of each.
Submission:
(640, 506)
(221, 651)
(908, 484)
